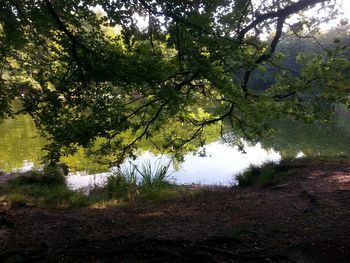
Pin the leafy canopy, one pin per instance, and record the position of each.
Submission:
(91, 76)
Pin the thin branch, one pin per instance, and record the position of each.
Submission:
(132, 101)
(150, 31)
(243, 14)
(280, 67)
(140, 108)
(154, 144)
(186, 81)
(265, 56)
(284, 96)
(143, 133)
(177, 18)
(222, 117)
(71, 37)
(179, 52)
(285, 12)
(194, 135)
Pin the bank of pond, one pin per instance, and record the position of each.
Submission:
(49, 187)
(217, 163)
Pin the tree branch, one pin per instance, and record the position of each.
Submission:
(266, 56)
(71, 37)
(142, 134)
(285, 12)
(222, 117)
(184, 21)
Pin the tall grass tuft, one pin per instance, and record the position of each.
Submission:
(122, 183)
(146, 182)
(155, 177)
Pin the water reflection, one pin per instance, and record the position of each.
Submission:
(19, 143)
(21, 148)
(312, 139)
(218, 167)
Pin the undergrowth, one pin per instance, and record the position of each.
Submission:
(48, 188)
(45, 188)
(145, 183)
(268, 174)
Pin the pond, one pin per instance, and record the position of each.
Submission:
(21, 148)
(218, 167)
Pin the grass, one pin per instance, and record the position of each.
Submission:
(268, 174)
(145, 183)
(155, 177)
(45, 188)
(48, 188)
(50, 176)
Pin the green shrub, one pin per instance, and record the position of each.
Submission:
(51, 175)
(55, 174)
(262, 176)
(45, 196)
(27, 178)
(122, 184)
(45, 188)
(118, 187)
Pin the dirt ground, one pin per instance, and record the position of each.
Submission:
(306, 218)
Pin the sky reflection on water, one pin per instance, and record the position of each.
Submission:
(219, 166)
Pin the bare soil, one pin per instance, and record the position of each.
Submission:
(305, 218)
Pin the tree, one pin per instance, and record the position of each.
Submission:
(98, 80)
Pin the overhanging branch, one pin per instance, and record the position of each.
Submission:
(144, 132)
(285, 12)
(266, 56)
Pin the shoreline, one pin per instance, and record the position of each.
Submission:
(302, 219)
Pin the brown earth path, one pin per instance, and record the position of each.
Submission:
(304, 219)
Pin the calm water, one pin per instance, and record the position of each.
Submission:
(21, 148)
(20, 143)
(218, 167)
